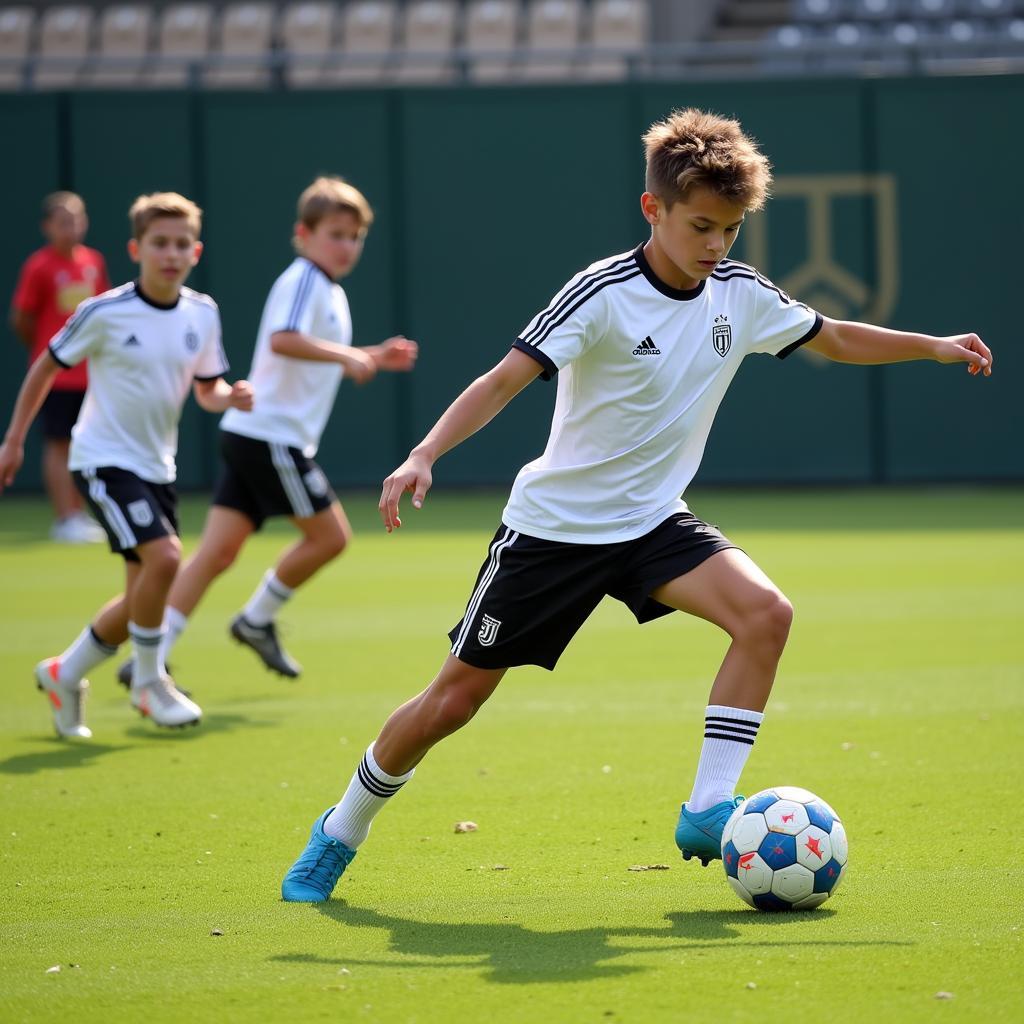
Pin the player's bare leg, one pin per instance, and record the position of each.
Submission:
(60, 488)
(445, 706)
(732, 592)
(324, 537)
(153, 693)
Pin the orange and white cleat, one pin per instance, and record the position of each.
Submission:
(67, 700)
(164, 704)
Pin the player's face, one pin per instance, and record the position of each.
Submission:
(166, 252)
(336, 243)
(690, 238)
(65, 227)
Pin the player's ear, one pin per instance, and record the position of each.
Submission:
(133, 250)
(197, 252)
(651, 207)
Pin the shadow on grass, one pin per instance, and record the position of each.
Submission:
(214, 722)
(508, 953)
(59, 754)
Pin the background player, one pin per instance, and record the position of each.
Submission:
(303, 349)
(53, 281)
(644, 345)
(148, 343)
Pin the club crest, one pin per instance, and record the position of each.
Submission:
(191, 340)
(488, 631)
(140, 512)
(721, 335)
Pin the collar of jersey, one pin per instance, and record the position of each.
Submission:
(306, 259)
(152, 302)
(680, 294)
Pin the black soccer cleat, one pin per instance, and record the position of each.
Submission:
(263, 640)
(124, 676)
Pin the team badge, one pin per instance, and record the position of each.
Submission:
(721, 335)
(316, 483)
(191, 340)
(488, 631)
(140, 512)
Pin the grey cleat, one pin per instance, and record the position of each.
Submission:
(124, 676)
(263, 640)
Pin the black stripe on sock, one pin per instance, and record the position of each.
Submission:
(733, 721)
(749, 740)
(277, 593)
(147, 641)
(373, 784)
(102, 644)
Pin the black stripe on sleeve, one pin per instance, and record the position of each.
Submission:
(549, 370)
(216, 376)
(57, 359)
(301, 295)
(811, 332)
(623, 275)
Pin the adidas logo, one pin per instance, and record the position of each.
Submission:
(132, 340)
(647, 348)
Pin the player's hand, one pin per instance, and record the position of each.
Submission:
(241, 396)
(11, 457)
(359, 365)
(966, 348)
(397, 354)
(412, 476)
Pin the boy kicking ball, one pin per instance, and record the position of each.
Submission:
(148, 343)
(644, 345)
(303, 350)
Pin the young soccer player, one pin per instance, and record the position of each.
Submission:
(53, 281)
(147, 343)
(303, 349)
(644, 345)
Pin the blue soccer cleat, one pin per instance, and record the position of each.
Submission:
(312, 878)
(700, 835)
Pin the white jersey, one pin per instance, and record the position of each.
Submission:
(642, 368)
(294, 397)
(143, 358)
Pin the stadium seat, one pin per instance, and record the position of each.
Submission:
(428, 34)
(367, 42)
(822, 11)
(183, 43)
(988, 8)
(241, 59)
(125, 31)
(876, 10)
(64, 39)
(931, 8)
(787, 49)
(491, 38)
(618, 30)
(15, 39)
(553, 29)
(307, 36)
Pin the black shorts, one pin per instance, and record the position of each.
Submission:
(130, 509)
(261, 479)
(59, 414)
(532, 595)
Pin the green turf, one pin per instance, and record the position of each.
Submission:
(900, 701)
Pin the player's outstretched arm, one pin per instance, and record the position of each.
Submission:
(33, 390)
(848, 342)
(356, 362)
(397, 354)
(219, 396)
(473, 409)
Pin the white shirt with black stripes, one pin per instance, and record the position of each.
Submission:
(642, 368)
(143, 358)
(294, 397)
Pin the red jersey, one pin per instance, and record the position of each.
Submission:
(50, 287)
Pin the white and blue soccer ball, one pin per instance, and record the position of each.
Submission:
(784, 849)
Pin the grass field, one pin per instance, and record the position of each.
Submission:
(147, 865)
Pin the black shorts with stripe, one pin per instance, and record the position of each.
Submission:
(131, 510)
(261, 479)
(531, 595)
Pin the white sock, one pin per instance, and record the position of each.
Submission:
(370, 789)
(146, 648)
(729, 734)
(174, 626)
(267, 600)
(85, 653)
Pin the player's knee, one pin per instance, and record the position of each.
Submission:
(222, 557)
(335, 543)
(774, 621)
(162, 558)
(454, 709)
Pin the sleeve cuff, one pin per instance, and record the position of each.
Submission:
(811, 332)
(548, 368)
(216, 376)
(57, 359)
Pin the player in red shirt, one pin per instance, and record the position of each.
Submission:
(53, 281)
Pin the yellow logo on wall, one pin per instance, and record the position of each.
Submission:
(821, 279)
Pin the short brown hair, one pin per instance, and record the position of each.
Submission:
(329, 195)
(695, 148)
(61, 201)
(147, 209)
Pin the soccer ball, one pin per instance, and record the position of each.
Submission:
(784, 849)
